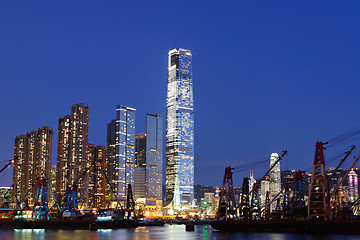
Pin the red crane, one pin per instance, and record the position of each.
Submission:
(318, 205)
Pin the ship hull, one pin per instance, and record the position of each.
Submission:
(48, 224)
(289, 226)
(66, 224)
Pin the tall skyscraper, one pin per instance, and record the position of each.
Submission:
(252, 182)
(43, 152)
(154, 149)
(275, 178)
(52, 181)
(111, 163)
(140, 166)
(78, 143)
(353, 186)
(121, 133)
(179, 131)
(32, 161)
(20, 183)
(72, 159)
(265, 187)
(148, 159)
(96, 189)
(63, 156)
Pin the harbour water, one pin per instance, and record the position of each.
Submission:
(166, 232)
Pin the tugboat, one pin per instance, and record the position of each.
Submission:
(118, 218)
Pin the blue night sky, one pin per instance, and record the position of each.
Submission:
(268, 75)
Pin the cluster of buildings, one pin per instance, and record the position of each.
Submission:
(274, 184)
(102, 174)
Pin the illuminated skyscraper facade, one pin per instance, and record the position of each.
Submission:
(96, 190)
(154, 153)
(63, 156)
(111, 169)
(140, 166)
(252, 183)
(179, 131)
(52, 181)
(79, 142)
(32, 161)
(148, 159)
(265, 187)
(121, 164)
(353, 186)
(275, 178)
(20, 183)
(72, 158)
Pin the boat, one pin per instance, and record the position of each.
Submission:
(346, 226)
(25, 219)
(45, 224)
(112, 219)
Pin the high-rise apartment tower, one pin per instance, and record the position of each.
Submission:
(72, 158)
(32, 161)
(96, 190)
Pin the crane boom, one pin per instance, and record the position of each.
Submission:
(6, 165)
(343, 178)
(347, 154)
(258, 182)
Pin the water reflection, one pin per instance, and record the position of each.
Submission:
(42, 234)
(171, 232)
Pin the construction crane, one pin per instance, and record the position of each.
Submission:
(67, 205)
(318, 207)
(292, 207)
(41, 203)
(130, 204)
(227, 205)
(335, 189)
(271, 168)
(334, 195)
(298, 209)
(255, 187)
(71, 201)
(244, 205)
(346, 156)
(286, 207)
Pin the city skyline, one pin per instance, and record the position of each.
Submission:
(261, 85)
(82, 167)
